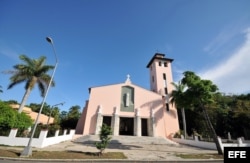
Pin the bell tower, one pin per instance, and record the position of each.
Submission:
(160, 74)
(160, 82)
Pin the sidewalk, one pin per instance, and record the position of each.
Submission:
(136, 149)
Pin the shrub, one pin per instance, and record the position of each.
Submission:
(10, 118)
(104, 137)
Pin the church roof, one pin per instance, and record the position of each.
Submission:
(159, 56)
(127, 82)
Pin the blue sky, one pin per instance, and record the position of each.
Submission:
(99, 42)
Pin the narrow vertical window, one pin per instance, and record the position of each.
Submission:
(167, 107)
(153, 79)
(166, 90)
(165, 64)
(164, 76)
(127, 100)
(159, 63)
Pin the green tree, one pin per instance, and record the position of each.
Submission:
(32, 72)
(36, 108)
(22, 121)
(200, 93)
(244, 97)
(74, 112)
(48, 110)
(11, 102)
(104, 138)
(55, 113)
(70, 119)
(7, 116)
(63, 115)
(241, 123)
(195, 124)
(178, 98)
(219, 113)
(10, 118)
(240, 116)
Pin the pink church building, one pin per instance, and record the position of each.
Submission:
(132, 110)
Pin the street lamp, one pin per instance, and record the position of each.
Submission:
(52, 107)
(28, 149)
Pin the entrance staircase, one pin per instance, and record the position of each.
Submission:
(91, 139)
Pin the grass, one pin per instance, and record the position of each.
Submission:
(63, 154)
(200, 156)
(13, 153)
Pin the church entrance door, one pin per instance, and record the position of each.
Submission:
(144, 127)
(107, 120)
(126, 126)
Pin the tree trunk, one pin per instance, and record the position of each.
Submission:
(184, 122)
(25, 97)
(211, 128)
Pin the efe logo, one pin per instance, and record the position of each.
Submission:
(241, 154)
(236, 154)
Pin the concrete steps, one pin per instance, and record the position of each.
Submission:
(91, 139)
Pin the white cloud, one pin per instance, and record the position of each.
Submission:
(222, 39)
(178, 74)
(233, 74)
(8, 52)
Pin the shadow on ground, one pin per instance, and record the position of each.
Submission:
(114, 144)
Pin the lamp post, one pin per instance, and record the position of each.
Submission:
(28, 149)
(52, 110)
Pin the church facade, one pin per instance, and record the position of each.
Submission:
(132, 110)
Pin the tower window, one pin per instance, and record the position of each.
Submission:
(165, 64)
(153, 79)
(167, 107)
(166, 90)
(164, 76)
(159, 63)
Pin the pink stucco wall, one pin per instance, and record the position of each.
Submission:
(170, 117)
(145, 101)
(157, 72)
(109, 97)
(81, 122)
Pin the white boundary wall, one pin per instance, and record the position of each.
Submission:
(40, 142)
(210, 145)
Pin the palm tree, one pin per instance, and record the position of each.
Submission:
(177, 98)
(200, 93)
(32, 72)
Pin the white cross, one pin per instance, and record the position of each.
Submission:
(128, 77)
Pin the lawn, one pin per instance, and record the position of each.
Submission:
(12, 153)
(63, 154)
(15, 153)
(200, 156)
